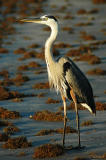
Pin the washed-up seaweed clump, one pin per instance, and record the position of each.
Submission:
(6, 94)
(22, 154)
(20, 79)
(48, 151)
(59, 130)
(6, 114)
(83, 11)
(4, 73)
(100, 106)
(94, 155)
(3, 50)
(41, 85)
(20, 51)
(90, 58)
(87, 123)
(50, 100)
(99, 1)
(33, 64)
(4, 123)
(88, 37)
(11, 129)
(27, 55)
(23, 68)
(68, 130)
(74, 53)
(41, 95)
(46, 115)
(3, 137)
(35, 45)
(18, 142)
(62, 45)
(96, 71)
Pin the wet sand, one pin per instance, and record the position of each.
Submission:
(24, 86)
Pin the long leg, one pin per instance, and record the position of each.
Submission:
(77, 115)
(78, 124)
(65, 118)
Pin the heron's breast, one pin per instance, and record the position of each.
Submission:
(55, 76)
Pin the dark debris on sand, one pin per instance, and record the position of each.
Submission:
(100, 106)
(20, 79)
(46, 115)
(41, 85)
(5, 123)
(50, 101)
(90, 58)
(87, 123)
(48, 151)
(6, 114)
(18, 142)
(96, 71)
(6, 94)
(3, 137)
(11, 129)
(99, 1)
(59, 130)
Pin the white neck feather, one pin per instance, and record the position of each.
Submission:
(48, 45)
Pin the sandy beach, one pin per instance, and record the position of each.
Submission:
(24, 80)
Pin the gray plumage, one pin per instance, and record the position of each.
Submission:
(76, 79)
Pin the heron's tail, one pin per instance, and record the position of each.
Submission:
(91, 109)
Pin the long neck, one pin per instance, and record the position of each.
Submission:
(48, 45)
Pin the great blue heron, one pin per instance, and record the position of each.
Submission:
(65, 76)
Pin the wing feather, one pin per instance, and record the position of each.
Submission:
(78, 81)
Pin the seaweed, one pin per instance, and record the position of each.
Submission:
(3, 137)
(96, 71)
(90, 58)
(48, 151)
(41, 85)
(59, 131)
(50, 101)
(6, 114)
(46, 115)
(11, 129)
(3, 50)
(18, 142)
(87, 123)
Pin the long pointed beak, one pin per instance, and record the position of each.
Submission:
(33, 20)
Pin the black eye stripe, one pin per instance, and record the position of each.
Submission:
(52, 17)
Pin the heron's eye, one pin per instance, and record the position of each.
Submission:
(45, 18)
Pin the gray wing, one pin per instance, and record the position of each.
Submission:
(78, 81)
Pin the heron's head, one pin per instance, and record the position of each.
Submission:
(46, 19)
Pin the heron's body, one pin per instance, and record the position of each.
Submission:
(65, 76)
